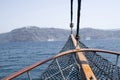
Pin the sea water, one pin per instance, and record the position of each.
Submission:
(17, 55)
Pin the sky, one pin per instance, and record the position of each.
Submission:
(98, 14)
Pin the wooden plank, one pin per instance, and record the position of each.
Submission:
(83, 61)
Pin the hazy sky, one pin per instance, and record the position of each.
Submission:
(102, 14)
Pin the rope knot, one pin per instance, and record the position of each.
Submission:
(71, 25)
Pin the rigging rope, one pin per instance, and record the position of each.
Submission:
(71, 23)
(71, 11)
(78, 19)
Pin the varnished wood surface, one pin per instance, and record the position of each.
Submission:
(83, 62)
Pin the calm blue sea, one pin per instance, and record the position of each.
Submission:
(17, 55)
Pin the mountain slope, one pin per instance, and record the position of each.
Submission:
(33, 33)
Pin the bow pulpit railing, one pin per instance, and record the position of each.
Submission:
(74, 62)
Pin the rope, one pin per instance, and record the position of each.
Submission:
(71, 23)
(60, 69)
(71, 11)
(78, 19)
